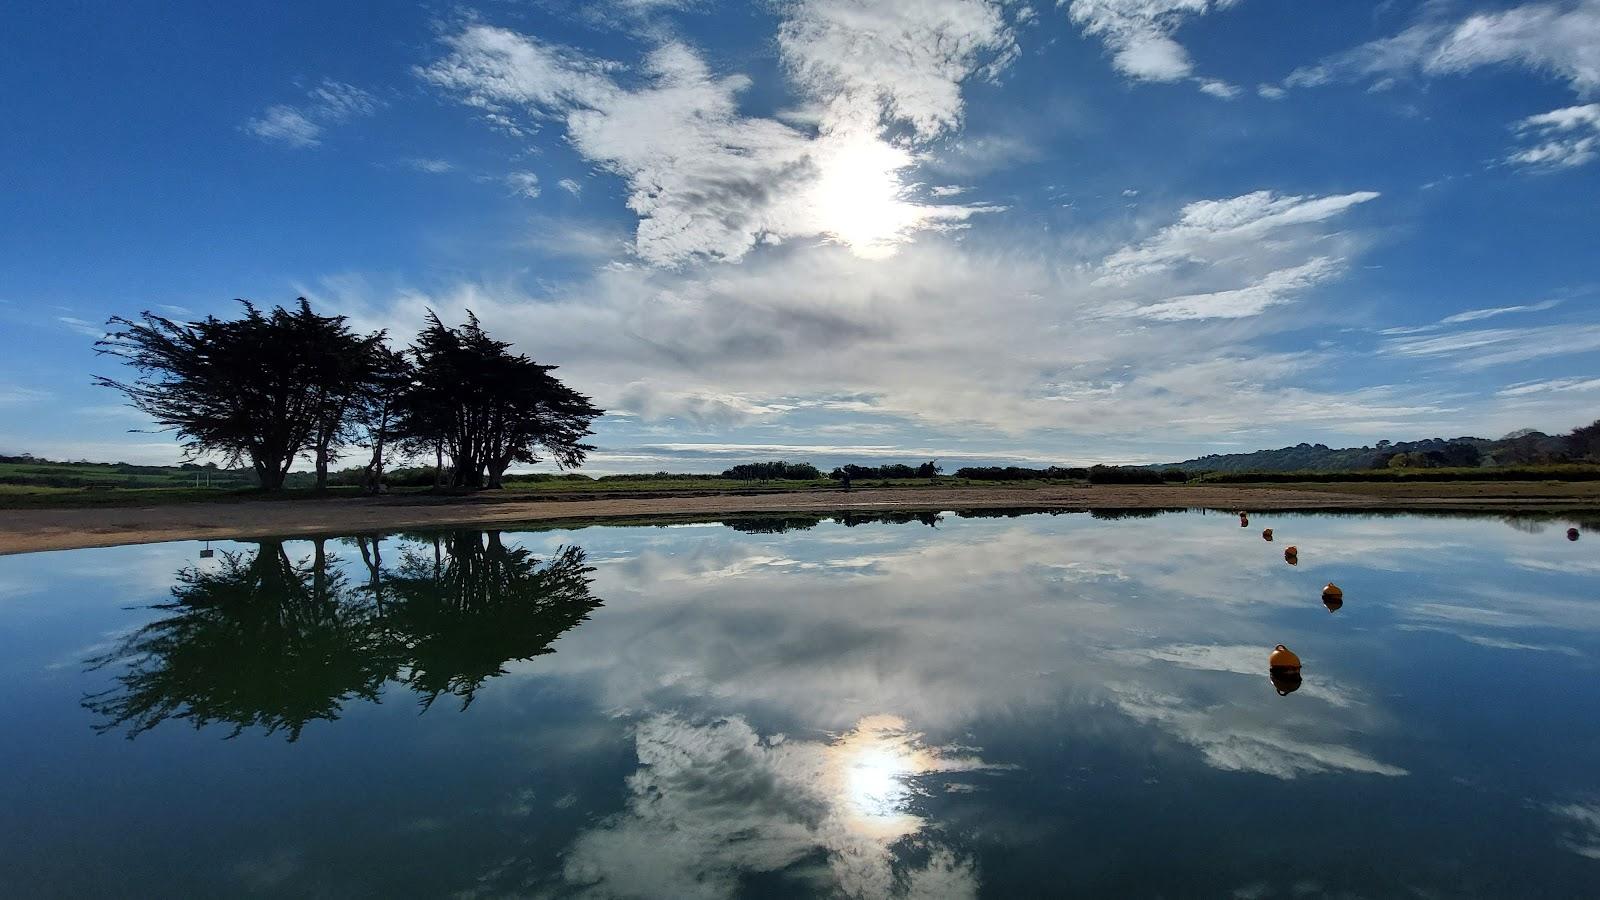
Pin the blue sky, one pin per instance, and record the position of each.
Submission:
(838, 230)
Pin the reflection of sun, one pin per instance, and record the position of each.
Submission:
(872, 767)
(874, 781)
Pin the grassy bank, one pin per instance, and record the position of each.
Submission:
(37, 496)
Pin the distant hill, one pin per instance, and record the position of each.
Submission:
(1518, 448)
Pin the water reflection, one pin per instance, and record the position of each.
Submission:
(262, 640)
(720, 726)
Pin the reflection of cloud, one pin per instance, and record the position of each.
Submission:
(1494, 642)
(1584, 837)
(1244, 746)
(713, 802)
(1240, 660)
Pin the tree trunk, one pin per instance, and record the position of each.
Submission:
(438, 464)
(322, 467)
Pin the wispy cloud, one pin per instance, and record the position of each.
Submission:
(329, 103)
(1485, 348)
(1560, 39)
(82, 326)
(1566, 138)
(523, 184)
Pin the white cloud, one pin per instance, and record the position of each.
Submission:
(709, 182)
(1139, 34)
(1219, 89)
(83, 326)
(1271, 290)
(912, 337)
(1551, 386)
(1568, 137)
(1484, 348)
(901, 61)
(523, 184)
(286, 125)
(570, 186)
(16, 395)
(1559, 39)
(431, 166)
(1209, 231)
(1474, 315)
(329, 103)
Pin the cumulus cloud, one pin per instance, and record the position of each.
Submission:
(1565, 138)
(900, 61)
(1139, 34)
(1168, 327)
(329, 103)
(708, 182)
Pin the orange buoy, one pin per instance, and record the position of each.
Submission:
(1285, 681)
(1266, 534)
(1283, 658)
(1332, 603)
(1332, 590)
(1291, 555)
(1572, 534)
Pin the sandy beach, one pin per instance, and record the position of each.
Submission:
(31, 530)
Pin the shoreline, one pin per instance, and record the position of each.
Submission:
(37, 530)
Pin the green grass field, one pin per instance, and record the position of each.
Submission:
(145, 490)
(28, 485)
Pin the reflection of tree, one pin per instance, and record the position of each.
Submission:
(265, 641)
(463, 613)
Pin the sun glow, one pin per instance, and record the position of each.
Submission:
(859, 198)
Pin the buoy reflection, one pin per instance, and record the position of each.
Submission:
(1286, 681)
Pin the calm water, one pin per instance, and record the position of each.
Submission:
(991, 706)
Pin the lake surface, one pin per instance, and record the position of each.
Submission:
(938, 706)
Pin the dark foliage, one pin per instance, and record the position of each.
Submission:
(263, 389)
(773, 471)
(928, 469)
(1020, 473)
(1123, 475)
(488, 408)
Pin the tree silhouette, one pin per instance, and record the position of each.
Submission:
(488, 408)
(265, 388)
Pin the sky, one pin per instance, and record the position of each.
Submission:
(982, 231)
